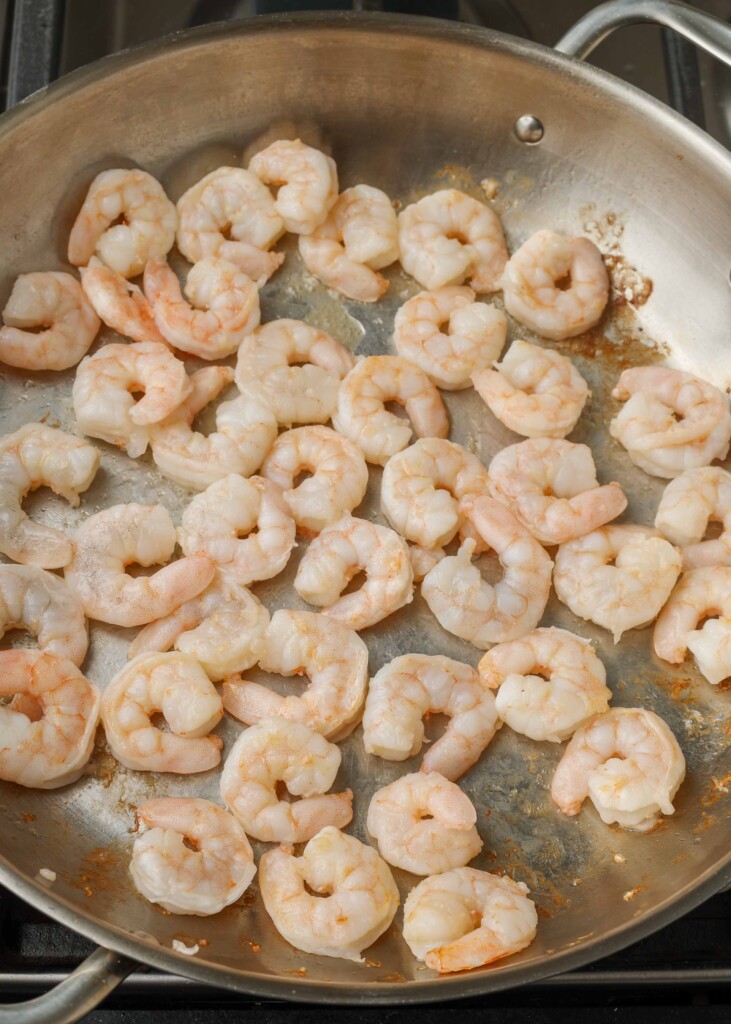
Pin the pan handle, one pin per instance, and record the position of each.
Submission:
(75, 996)
(704, 30)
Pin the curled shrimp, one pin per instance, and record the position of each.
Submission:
(627, 762)
(688, 504)
(122, 535)
(243, 525)
(360, 895)
(701, 594)
(273, 751)
(223, 306)
(40, 456)
(146, 228)
(202, 880)
(175, 686)
(466, 918)
(549, 683)
(358, 238)
(361, 413)
(47, 730)
(534, 391)
(473, 339)
(340, 552)
(47, 607)
(550, 486)
(424, 559)
(118, 303)
(556, 286)
(672, 421)
(617, 576)
(56, 302)
(307, 180)
(448, 237)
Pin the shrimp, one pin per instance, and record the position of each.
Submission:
(122, 535)
(40, 456)
(146, 228)
(556, 286)
(688, 504)
(360, 895)
(245, 430)
(273, 751)
(424, 824)
(203, 880)
(223, 306)
(423, 485)
(534, 391)
(339, 475)
(617, 576)
(703, 593)
(119, 304)
(175, 686)
(308, 181)
(55, 301)
(627, 762)
(549, 683)
(305, 643)
(466, 918)
(47, 607)
(466, 605)
(361, 413)
(448, 237)
(423, 559)
(221, 523)
(222, 628)
(358, 238)
(296, 394)
(47, 730)
(672, 422)
(550, 486)
(474, 338)
(231, 214)
(104, 387)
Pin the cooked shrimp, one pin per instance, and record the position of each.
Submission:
(424, 824)
(466, 605)
(361, 413)
(47, 607)
(474, 338)
(119, 304)
(223, 306)
(273, 751)
(358, 238)
(231, 214)
(40, 456)
(339, 475)
(466, 918)
(424, 559)
(617, 576)
(122, 535)
(333, 657)
(57, 302)
(221, 523)
(550, 486)
(627, 762)
(103, 392)
(672, 422)
(202, 880)
(703, 593)
(296, 394)
(245, 430)
(534, 391)
(175, 686)
(549, 683)
(307, 180)
(688, 504)
(556, 286)
(360, 895)
(47, 730)
(448, 237)
(146, 228)
(423, 485)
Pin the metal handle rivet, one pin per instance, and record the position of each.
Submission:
(529, 129)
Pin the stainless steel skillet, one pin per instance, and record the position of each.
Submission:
(409, 105)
